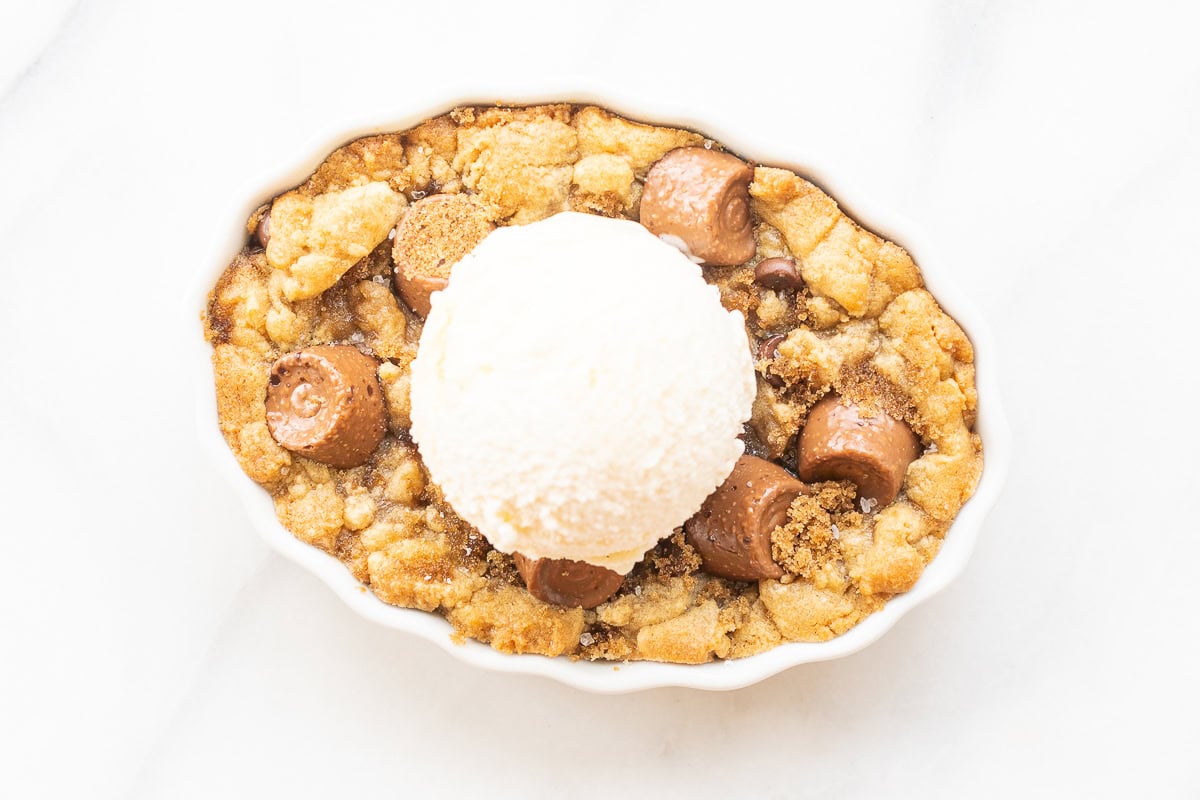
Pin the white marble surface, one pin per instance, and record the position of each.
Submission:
(152, 647)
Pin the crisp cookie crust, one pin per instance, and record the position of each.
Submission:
(862, 326)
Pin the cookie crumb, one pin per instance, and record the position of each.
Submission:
(811, 537)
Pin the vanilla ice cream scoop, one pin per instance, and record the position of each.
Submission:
(579, 389)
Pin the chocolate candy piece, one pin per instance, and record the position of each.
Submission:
(838, 443)
(567, 583)
(703, 198)
(778, 273)
(432, 236)
(262, 231)
(768, 349)
(732, 530)
(326, 403)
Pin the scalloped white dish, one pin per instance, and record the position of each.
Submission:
(604, 677)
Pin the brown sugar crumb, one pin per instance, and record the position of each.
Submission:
(721, 591)
(602, 642)
(501, 568)
(872, 392)
(319, 266)
(671, 558)
(810, 538)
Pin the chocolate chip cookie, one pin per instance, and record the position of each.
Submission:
(859, 451)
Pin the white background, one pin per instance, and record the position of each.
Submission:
(150, 645)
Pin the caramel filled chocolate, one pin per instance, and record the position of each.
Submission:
(433, 235)
(326, 403)
(702, 197)
(732, 530)
(563, 582)
(838, 443)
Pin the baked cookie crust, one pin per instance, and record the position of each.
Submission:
(861, 325)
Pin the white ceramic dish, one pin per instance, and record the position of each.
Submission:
(292, 168)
